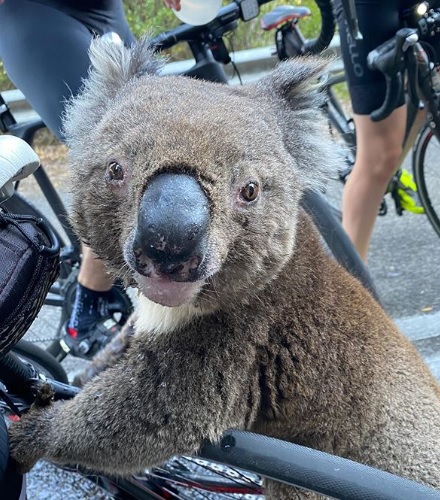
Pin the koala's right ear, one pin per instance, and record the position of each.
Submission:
(112, 66)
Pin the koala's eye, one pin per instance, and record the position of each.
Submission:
(115, 171)
(250, 191)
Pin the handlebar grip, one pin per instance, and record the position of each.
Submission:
(317, 45)
(394, 88)
(314, 470)
(15, 374)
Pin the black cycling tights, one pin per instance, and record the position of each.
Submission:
(44, 44)
(378, 21)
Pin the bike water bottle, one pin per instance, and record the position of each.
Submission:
(198, 12)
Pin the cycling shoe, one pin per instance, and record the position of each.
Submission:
(404, 191)
(86, 345)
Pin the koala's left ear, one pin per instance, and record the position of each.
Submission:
(296, 97)
(112, 66)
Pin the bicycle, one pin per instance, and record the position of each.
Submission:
(247, 456)
(403, 58)
(209, 50)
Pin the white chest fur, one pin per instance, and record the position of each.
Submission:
(155, 318)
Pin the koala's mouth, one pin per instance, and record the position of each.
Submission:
(169, 293)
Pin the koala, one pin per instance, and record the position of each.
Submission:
(191, 191)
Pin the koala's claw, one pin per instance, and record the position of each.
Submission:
(44, 397)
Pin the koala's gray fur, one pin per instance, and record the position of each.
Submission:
(275, 338)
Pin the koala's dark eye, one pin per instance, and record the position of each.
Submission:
(250, 191)
(115, 171)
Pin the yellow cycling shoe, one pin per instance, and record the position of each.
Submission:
(406, 190)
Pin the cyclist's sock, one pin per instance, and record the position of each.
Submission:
(89, 307)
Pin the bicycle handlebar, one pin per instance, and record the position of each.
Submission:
(221, 24)
(22, 381)
(225, 21)
(15, 374)
(314, 470)
(322, 41)
(389, 58)
(188, 33)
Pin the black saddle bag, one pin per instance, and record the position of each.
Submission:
(29, 264)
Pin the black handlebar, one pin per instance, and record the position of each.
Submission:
(389, 58)
(317, 45)
(188, 33)
(15, 374)
(22, 380)
(314, 470)
(226, 21)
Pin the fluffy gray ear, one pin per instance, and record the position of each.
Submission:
(296, 97)
(112, 66)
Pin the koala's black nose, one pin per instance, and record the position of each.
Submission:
(173, 221)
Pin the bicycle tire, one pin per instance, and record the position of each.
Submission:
(41, 359)
(337, 239)
(427, 142)
(11, 481)
(4, 446)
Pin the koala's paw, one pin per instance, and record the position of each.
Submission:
(108, 356)
(28, 437)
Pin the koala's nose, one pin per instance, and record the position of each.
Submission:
(172, 227)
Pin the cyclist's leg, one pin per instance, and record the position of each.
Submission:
(44, 48)
(379, 145)
(45, 51)
(378, 151)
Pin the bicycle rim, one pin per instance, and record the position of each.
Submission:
(426, 170)
(186, 478)
(198, 478)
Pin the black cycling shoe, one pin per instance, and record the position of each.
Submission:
(86, 345)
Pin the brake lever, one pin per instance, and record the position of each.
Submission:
(389, 59)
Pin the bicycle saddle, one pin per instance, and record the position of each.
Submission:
(282, 14)
(17, 161)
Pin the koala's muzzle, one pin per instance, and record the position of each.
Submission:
(172, 228)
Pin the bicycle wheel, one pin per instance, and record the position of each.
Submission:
(337, 239)
(426, 170)
(42, 360)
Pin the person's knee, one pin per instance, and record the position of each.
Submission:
(379, 159)
(387, 160)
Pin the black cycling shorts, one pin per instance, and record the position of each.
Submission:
(44, 47)
(378, 21)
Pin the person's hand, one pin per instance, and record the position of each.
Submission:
(171, 4)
